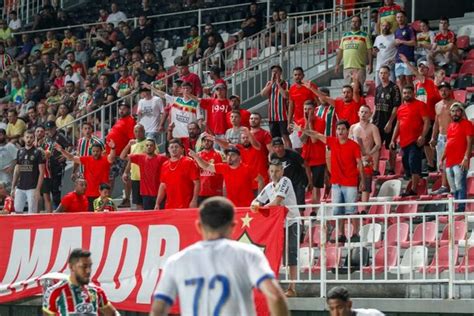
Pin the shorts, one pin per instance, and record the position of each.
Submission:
(411, 159)
(295, 140)
(117, 168)
(428, 135)
(293, 242)
(440, 147)
(402, 70)
(386, 138)
(367, 183)
(318, 173)
(278, 128)
(46, 186)
(136, 196)
(343, 194)
(149, 202)
(348, 75)
(91, 203)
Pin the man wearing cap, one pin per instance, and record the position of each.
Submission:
(276, 90)
(115, 62)
(238, 177)
(186, 76)
(235, 106)
(440, 128)
(427, 92)
(150, 112)
(211, 183)
(458, 153)
(57, 163)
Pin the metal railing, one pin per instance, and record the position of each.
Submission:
(395, 247)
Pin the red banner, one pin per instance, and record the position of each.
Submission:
(128, 248)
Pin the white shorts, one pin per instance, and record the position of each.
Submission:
(24, 196)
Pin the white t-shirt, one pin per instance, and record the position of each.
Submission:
(116, 17)
(284, 189)
(76, 78)
(7, 156)
(387, 50)
(216, 276)
(367, 312)
(149, 112)
(15, 25)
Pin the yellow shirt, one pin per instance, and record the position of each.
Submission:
(355, 46)
(60, 122)
(16, 129)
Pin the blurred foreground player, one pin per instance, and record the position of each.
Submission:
(75, 296)
(222, 274)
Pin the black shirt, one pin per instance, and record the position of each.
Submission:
(385, 100)
(146, 78)
(293, 167)
(28, 161)
(56, 165)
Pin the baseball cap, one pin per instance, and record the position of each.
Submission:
(277, 141)
(50, 124)
(123, 103)
(115, 49)
(423, 62)
(444, 84)
(232, 149)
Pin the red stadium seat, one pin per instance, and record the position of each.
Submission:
(421, 189)
(333, 259)
(470, 55)
(470, 186)
(416, 25)
(460, 95)
(440, 260)
(463, 42)
(404, 209)
(396, 233)
(467, 262)
(428, 229)
(379, 260)
(318, 27)
(252, 53)
(460, 231)
(377, 210)
(467, 67)
(370, 101)
(315, 236)
(349, 230)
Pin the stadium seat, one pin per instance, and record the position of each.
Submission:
(333, 259)
(422, 187)
(377, 210)
(470, 112)
(395, 234)
(369, 234)
(440, 261)
(349, 230)
(404, 209)
(355, 260)
(462, 42)
(370, 88)
(460, 231)
(426, 231)
(378, 264)
(460, 95)
(467, 67)
(179, 51)
(252, 53)
(470, 55)
(416, 25)
(467, 30)
(467, 243)
(315, 236)
(413, 259)
(467, 262)
(306, 258)
(370, 101)
(388, 190)
(267, 52)
(318, 27)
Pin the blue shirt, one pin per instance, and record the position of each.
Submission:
(405, 34)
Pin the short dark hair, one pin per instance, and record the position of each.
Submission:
(325, 90)
(309, 101)
(29, 131)
(235, 112)
(216, 213)
(175, 141)
(357, 16)
(88, 124)
(187, 84)
(385, 67)
(77, 254)
(343, 122)
(348, 86)
(338, 293)
(425, 21)
(298, 69)
(402, 12)
(444, 18)
(104, 186)
(96, 145)
(256, 113)
(409, 87)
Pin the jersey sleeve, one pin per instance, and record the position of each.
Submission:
(283, 188)
(205, 103)
(259, 268)
(102, 300)
(262, 197)
(193, 170)
(167, 288)
(221, 168)
(49, 301)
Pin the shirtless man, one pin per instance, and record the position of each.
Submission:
(438, 138)
(368, 137)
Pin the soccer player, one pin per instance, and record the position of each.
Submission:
(222, 274)
(75, 295)
(340, 304)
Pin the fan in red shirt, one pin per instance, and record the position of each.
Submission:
(238, 177)
(346, 169)
(150, 167)
(179, 179)
(186, 76)
(412, 126)
(458, 153)
(216, 109)
(96, 168)
(298, 94)
(244, 114)
(314, 152)
(264, 138)
(211, 183)
(75, 201)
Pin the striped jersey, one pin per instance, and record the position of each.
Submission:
(328, 114)
(46, 146)
(355, 46)
(65, 298)
(5, 61)
(182, 112)
(278, 105)
(84, 147)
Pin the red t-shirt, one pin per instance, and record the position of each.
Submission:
(244, 118)
(121, 133)
(150, 168)
(344, 157)
(216, 114)
(264, 138)
(299, 94)
(195, 81)
(252, 157)
(96, 171)
(238, 183)
(457, 144)
(428, 93)
(74, 203)
(211, 183)
(179, 177)
(347, 111)
(188, 144)
(410, 119)
(314, 153)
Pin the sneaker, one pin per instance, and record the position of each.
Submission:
(408, 193)
(125, 203)
(342, 239)
(290, 293)
(441, 190)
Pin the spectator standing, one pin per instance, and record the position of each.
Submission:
(203, 44)
(211, 56)
(193, 141)
(276, 90)
(211, 183)
(84, 147)
(15, 127)
(191, 44)
(405, 40)
(150, 114)
(179, 180)
(346, 171)
(440, 128)
(96, 168)
(104, 202)
(388, 13)
(115, 15)
(280, 192)
(355, 51)
(444, 50)
(28, 175)
(8, 154)
(327, 112)
(386, 50)
(148, 71)
(6, 60)
(253, 22)
(186, 76)
(458, 153)
(150, 165)
(75, 201)
(15, 23)
(232, 134)
(46, 146)
(235, 106)
(264, 138)
(5, 31)
(216, 110)
(412, 127)
(387, 100)
(424, 41)
(142, 31)
(6, 201)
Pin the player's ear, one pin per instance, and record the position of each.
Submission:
(198, 226)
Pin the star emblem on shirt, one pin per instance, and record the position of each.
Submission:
(246, 220)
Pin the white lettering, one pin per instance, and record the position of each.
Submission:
(97, 247)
